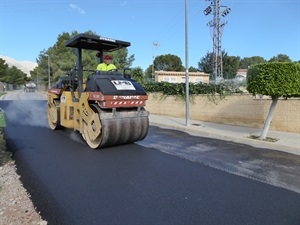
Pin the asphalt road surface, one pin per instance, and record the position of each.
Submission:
(168, 178)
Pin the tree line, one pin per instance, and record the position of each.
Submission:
(231, 64)
(11, 75)
(59, 59)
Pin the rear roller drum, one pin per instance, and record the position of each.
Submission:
(92, 130)
(53, 117)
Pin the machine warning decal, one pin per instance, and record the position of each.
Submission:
(123, 85)
(63, 99)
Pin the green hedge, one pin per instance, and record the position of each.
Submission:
(178, 89)
(276, 79)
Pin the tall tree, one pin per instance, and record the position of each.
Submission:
(280, 58)
(16, 76)
(121, 60)
(230, 66)
(148, 73)
(3, 70)
(206, 63)
(137, 74)
(192, 69)
(168, 62)
(11, 75)
(248, 61)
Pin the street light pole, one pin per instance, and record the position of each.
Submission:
(37, 81)
(155, 45)
(49, 85)
(187, 91)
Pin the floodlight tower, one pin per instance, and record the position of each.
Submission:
(217, 26)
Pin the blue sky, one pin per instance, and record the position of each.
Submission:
(255, 27)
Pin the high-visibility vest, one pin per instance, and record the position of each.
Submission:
(106, 67)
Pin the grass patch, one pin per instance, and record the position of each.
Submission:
(267, 139)
(5, 156)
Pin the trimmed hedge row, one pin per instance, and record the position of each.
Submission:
(178, 89)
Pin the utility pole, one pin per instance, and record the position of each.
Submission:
(187, 82)
(217, 27)
(155, 45)
(49, 84)
(37, 81)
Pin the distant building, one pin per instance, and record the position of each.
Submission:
(242, 73)
(179, 77)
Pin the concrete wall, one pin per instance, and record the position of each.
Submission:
(243, 110)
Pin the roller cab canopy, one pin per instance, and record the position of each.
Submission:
(95, 42)
(92, 42)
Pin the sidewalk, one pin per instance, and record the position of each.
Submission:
(287, 142)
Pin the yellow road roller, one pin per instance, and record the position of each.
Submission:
(108, 108)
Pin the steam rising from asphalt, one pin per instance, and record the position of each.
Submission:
(28, 113)
(75, 136)
(33, 113)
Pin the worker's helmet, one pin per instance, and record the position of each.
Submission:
(107, 57)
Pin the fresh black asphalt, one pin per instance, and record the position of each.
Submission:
(139, 183)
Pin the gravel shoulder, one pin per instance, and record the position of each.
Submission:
(16, 207)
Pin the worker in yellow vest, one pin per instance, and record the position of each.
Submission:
(106, 65)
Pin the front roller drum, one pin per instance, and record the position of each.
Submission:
(124, 130)
(104, 129)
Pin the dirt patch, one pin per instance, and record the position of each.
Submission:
(16, 206)
(267, 139)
